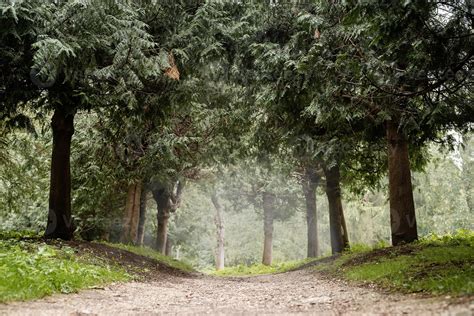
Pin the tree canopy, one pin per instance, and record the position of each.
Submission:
(259, 105)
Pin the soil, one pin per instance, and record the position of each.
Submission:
(145, 268)
(163, 290)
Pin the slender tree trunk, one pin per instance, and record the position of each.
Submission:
(402, 206)
(310, 184)
(169, 246)
(268, 215)
(345, 233)
(467, 176)
(336, 215)
(220, 252)
(141, 222)
(60, 223)
(162, 231)
(132, 214)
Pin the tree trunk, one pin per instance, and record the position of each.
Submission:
(310, 184)
(336, 215)
(162, 199)
(169, 246)
(220, 254)
(268, 205)
(162, 231)
(132, 214)
(402, 206)
(60, 223)
(141, 222)
(345, 233)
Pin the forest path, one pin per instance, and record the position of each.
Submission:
(298, 292)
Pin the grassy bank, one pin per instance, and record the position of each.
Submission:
(32, 269)
(153, 254)
(258, 269)
(435, 265)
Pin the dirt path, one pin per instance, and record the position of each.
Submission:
(299, 292)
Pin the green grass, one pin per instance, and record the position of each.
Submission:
(32, 269)
(153, 254)
(435, 265)
(257, 269)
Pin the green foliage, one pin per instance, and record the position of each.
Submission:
(24, 181)
(462, 237)
(361, 248)
(148, 252)
(256, 269)
(33, 269)
(19, 234)
(98, 184)
(444, 270)
(296, 87)
(435, 264)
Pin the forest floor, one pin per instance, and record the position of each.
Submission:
(162, 290)
(297, 292)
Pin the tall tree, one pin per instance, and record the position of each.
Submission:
(168, 199)
(220, 235)
(66, 69)
(310, 182)
(338, 231)
(268, 218)
(391, 69)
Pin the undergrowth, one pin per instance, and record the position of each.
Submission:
(434, 264)
(153, 254)
(33, 269)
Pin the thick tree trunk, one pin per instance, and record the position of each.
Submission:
(60, 223)
(220, 252)
(402, 206)
(336, 217)
(141, 222)
(310, 184)
(167, 201)
(268, 215)
(132, 214)
(162, 230)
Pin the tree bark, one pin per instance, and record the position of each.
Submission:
(345, 233)
(220, 251)
(162, 231)
(336, 216)
(141, 222)
(132, 214)
(60, 223)
(167, 201)
(268, 216)
(310, 184)
(169, 246)
(402, 206)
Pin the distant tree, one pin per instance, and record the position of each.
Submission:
(220, 232)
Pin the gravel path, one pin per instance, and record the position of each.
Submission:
(299, 292)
